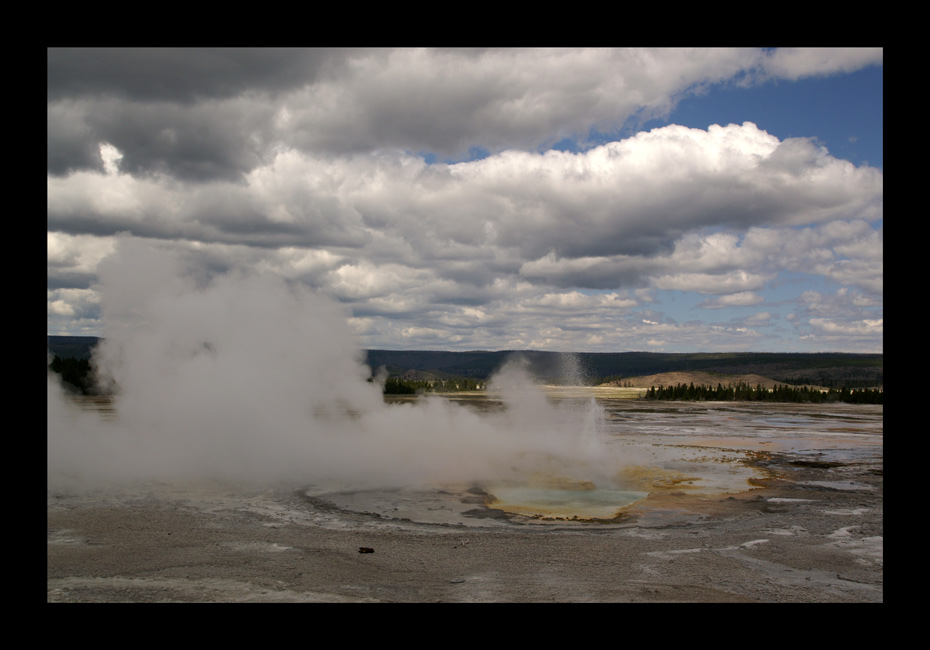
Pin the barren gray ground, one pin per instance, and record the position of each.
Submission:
(809, 531)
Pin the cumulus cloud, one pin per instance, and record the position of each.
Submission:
(218, 113)
(794, 63)
(739, 299)
(735, 282)
(867, 327)
(353, 171)
(633, 197)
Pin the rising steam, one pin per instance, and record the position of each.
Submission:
(244, 377)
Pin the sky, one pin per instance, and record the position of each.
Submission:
(597, 200)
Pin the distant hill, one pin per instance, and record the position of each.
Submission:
(74, 347)
(828, 369)
(698, 378)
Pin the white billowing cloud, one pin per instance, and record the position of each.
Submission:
(293, 262)
(759, 319)
(844, 301)
(868, 327)
(61, 251)
(73, 312)
(446, 101)
(395, 237)
(58, 307)
(601, 272)
(71, 302)
(103, 204)
(659, 335)
(317, 171)
(415, 247)
(740, 299)
(717, 251)
(850, 252)
(794, 63)
(739, 282)
(71, 271)
(640, 194)
(208, 113)
(866, 274)
(76, 251)
(365, 280)
(633, 197)
(111, 157)
(575, 300)
(844, 316)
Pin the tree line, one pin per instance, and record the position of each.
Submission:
(399, 386)
(780, 393)
(76, 374)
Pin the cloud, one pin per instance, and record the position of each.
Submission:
(825, 319)
(740, 299)
(632, 197)
(735, 282)
(181, 75)
(352, 171)
(219, 113)
(868, 327)
(794, 63)
(850, 252)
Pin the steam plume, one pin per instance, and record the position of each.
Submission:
(246, 377)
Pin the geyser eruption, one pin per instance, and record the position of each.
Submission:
(571, 431)
(245, 377)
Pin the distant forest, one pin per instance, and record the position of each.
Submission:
(76, 374)
(412, 371)
(399, 386)
(746, 393)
